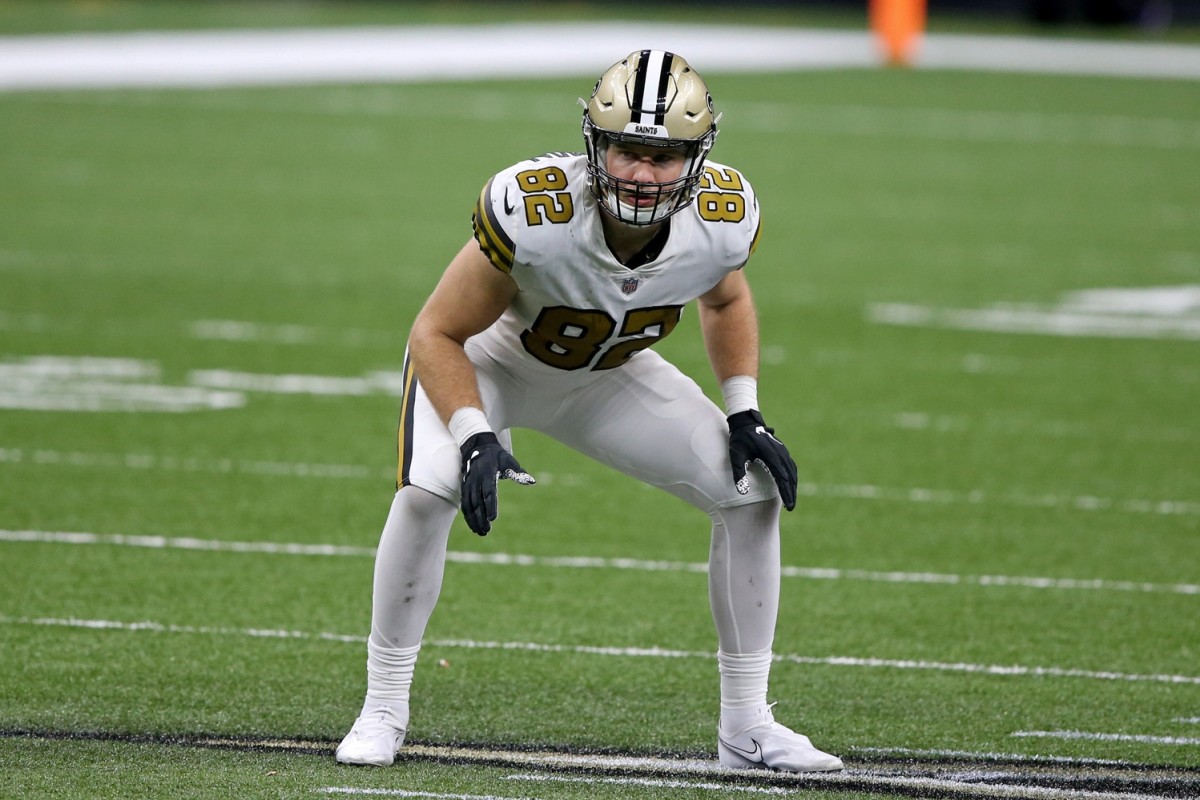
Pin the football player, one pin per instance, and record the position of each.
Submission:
(545, 319)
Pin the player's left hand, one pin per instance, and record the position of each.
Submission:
(484, 463)
(751, 440)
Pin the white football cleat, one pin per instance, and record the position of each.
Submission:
(765, 744)
(375, 738)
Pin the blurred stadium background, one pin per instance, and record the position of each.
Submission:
(980, 304)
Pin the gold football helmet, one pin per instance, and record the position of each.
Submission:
(651, 98)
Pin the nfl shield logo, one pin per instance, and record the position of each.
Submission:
(630, 285)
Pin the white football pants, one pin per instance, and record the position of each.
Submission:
(646, 419)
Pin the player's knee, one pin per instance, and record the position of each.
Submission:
(764, 506)
(423, 508)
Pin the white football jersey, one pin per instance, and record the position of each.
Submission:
(578, 307)
(569, 357)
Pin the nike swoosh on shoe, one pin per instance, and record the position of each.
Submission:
(754, 755)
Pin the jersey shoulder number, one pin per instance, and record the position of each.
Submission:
(725, 196)
(530, 194)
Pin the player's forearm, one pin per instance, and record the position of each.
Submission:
(444, 371)
(731, 337)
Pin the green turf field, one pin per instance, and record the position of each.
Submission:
(993, 567)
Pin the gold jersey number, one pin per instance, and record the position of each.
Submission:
(546, 196)
(720, 198)
(570, 338)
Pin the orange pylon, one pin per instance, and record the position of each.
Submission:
(898, 25)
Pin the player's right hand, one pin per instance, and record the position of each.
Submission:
(484, 464)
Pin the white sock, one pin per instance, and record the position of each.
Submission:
(744, 678)
(390, 675)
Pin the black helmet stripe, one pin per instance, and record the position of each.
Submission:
(637, 103)
(653, 73)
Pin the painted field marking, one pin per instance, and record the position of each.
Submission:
(986, 775)
(1041, 428)
(586, 562)
(1021, 758)
(378, 382)
(88, 383)
(358, 791)
(1153, 312)
(979, 497)
(1033, 320)
(427, 53)
(960, 125)
(864, 781)
(672, 765)
(1110, 737)
(862, 491)
(653, 783)
(227, 330)
(158, 627)
(186, 543)
(222, 466)
(354, 790)
(935, 124)
(1002, 670)
(93, 384)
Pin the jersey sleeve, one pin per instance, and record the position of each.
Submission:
(728, 208)
(753, 220)
(757, 233)
(495, 242)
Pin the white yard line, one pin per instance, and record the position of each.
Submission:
(227, 330)
(653, 783)
(1019, 776)
(806, 783)
(1003, 670)
(221, 466)
(978, 497)
(888, 784)
(186, 543)
(1110, 737)
(962, 125)
(1039, 321)
(360, 792)
(958, 755)
(423, 53)
(860, 491)
(587, 562)
(776, 118)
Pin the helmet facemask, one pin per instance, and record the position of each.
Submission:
(651, 99)
(628, 200)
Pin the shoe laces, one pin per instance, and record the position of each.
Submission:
(777, 726)
(763, 718)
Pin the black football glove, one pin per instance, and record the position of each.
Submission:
(751, 440)
(484, 464)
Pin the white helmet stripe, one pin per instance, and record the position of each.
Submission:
(650, 87)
